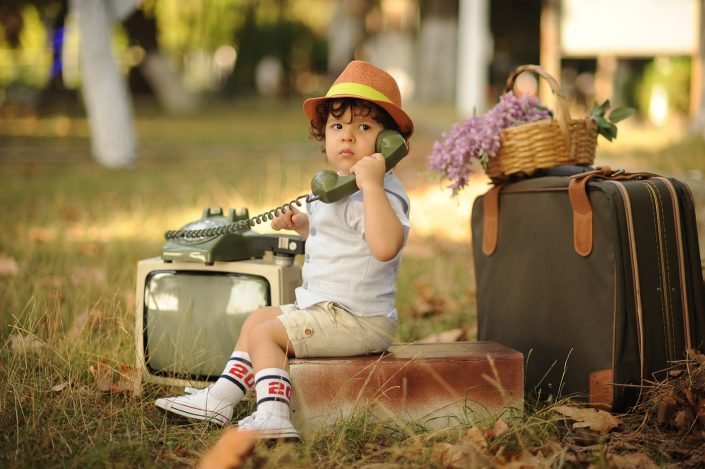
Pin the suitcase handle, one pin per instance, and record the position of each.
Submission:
(582, 210)
(490, 220)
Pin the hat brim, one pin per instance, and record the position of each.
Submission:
(406, 125)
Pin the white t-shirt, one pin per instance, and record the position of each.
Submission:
(338, 264)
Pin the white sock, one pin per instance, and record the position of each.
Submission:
(236, 380)
(273, 388)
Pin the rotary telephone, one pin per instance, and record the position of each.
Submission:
(219, 237)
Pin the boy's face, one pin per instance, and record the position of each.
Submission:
(349, 138)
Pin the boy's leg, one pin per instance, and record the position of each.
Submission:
(269, 347)
(216, 402)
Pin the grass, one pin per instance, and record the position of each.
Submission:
(76, 231)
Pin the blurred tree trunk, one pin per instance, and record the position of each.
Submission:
(104, 90)
(391, 45)
(474, 51)
(345, 33)
(437, 42)
(161, 78)
(550, 48)
(604, 78)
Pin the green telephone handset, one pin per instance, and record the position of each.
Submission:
(328, 187)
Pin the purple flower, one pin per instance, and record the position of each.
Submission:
(478, 138)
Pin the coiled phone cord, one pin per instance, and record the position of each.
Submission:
(241, 225)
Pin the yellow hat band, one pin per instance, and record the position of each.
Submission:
(357, 89)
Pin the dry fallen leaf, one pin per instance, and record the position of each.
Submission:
(696, 356)
(103, 375)
(551, 448)
(500, 427)
(79, 322)
(630, 461)
(8, 266)
(664, 409)
(130, 379)
(594, 419)
(459, 456)
(524, 460)
(426, 302)
(60, 387)
(475, 437)
(230, 451)
(684, 419)
(418, 446)
(25, 343)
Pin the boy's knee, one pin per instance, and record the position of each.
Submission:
(268, 331)
(260, 315)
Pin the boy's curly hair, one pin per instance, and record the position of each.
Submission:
(337, 108)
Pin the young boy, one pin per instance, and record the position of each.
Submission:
(345, 306)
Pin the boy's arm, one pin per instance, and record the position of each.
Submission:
(384, 233)
(292, 220)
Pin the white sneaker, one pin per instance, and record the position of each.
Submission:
(269, 426)
(198, 405)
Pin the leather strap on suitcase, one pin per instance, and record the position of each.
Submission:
(582, 210)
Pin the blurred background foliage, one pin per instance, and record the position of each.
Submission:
(202, 39)
(282, 48)
(665, 82)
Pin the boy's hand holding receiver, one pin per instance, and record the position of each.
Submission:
(369, 171)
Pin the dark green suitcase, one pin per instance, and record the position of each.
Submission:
(600, 286)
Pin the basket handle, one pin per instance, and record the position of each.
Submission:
(562, 112)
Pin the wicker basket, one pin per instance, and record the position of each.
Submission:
(543, 144)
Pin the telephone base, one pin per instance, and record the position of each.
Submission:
(228, 247)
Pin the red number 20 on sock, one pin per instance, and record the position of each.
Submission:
(241, 371)
(280, 389)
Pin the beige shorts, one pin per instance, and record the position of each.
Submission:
(327, 330)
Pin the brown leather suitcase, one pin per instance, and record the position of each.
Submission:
(596, 278)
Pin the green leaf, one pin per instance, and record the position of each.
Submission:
(621, 113)
(602, 122)
(604, 107)
(608, 131)
(600, 109)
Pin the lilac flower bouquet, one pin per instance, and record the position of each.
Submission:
(478, 138)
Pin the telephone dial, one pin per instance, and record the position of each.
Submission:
(219, 237)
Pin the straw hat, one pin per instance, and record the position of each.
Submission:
(365, 81)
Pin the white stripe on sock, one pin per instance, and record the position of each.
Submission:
(273, 388)
(237, 378)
